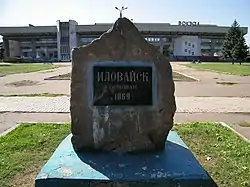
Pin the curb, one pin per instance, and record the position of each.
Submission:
(191, 77)
(224, 125)
(19, 124)
(236, 132)
(10, 129)
(57, 123)
(26, 112)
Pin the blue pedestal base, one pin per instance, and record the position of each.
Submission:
(175, 166)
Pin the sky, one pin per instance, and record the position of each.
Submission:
(46, 12)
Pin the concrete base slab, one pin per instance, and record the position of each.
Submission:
(175, 166)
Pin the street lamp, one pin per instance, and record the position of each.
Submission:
(122, 9)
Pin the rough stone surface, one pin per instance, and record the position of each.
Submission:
(115, 128)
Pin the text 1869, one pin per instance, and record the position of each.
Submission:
(120, 96)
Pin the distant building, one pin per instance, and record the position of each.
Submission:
(56, 42)
(1, 51)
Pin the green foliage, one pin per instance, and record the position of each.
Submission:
(235, 44)
(231, 39)
(240, 50)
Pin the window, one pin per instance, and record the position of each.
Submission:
(193, 53)
(26, 47)
(51, 46)
(185, 50)
(206, 41)
(185, 42)
(189, 51)
(193, 45)
(206, 50)
(189, 44)
(154, 39)
(55, 54)
(25, 54)
(51, 55)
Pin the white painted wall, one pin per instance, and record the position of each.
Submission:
(58, 40)
(178, 47)
(187, 46)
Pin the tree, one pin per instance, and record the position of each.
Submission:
(234, 46)
(240, 50)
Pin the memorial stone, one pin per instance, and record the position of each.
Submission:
(122, 101)
(122, 93)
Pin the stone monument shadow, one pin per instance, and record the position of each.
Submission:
(122, 167)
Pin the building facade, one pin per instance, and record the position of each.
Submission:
(56, 42)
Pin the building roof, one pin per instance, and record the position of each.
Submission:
(161, 27)
(27, 30)
(145, 27)
(102, 27)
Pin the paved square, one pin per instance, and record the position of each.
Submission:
(199, 98)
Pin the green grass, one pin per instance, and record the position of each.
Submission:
(244, 124)
(27, 148)
(226, 83)
(227, 68)
(222, 153)
(32, 95)
(66, 76)
(24, 68)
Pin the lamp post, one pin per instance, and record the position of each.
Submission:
(120, 10)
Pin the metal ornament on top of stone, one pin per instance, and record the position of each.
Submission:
(122, 93)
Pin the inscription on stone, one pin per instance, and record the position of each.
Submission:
(122, 85)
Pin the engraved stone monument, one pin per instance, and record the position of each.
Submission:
(122, 93)
(122, 102)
